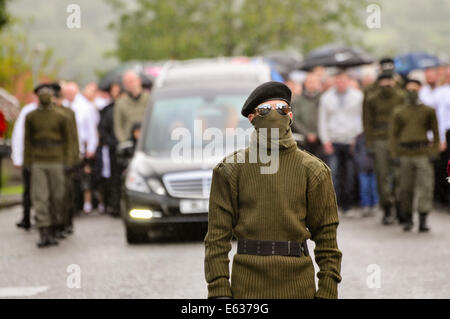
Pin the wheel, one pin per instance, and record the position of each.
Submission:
(134, 236)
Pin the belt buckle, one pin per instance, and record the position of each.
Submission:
(289, 248)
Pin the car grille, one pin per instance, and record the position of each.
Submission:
(195, 184)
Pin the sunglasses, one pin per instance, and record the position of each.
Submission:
(264, 109)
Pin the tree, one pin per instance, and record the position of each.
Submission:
(4, 17)
(17, 59)
(182, 29)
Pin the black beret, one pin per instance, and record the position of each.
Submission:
(409, 80)
(266, 92)
(387, 64)
(386, 60)
(55, 87)
(385, 75)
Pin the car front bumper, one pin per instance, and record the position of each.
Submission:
(168, 207)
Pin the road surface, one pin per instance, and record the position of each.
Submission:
(96, 262)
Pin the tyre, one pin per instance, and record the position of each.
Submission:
(134, 236)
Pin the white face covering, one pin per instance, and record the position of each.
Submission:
(101, 102)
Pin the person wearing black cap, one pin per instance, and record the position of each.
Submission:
(409, 142)
(46, 151)
(387, 64)
(271, 212)
(377, 114)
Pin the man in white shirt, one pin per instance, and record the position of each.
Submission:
(17, 142)
(90, 92)
(427, 92)
(86, 118)
(85, 115)
(340, 121)
(442, 99)
(442, 102)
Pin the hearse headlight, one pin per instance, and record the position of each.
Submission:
(156, 186)
(135, 182)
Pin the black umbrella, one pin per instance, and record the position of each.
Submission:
(336, 56)
(115, 76)
(284, 61)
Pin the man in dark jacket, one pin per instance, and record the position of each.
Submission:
(70, 168)
(106, 165)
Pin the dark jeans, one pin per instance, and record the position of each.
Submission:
(26, 197)
(110, 188)
(368, 189)
(343, 174)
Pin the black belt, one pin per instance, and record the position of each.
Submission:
(380, 125)
(272, 248)
(46, 143)
(413, 145)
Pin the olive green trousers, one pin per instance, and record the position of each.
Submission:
(47, 192)
(417, 178)
(387, 174)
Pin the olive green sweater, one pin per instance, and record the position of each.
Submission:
(410, 124)
(127, 112)
(377, 113)
(306, 113)
(298, 202)
(43, 126)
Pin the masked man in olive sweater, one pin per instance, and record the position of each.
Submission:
(377, 114)
(271, 212)
(409, 141)
(47, 149)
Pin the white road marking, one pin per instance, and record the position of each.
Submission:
(21, 291)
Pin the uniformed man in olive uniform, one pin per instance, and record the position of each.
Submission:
(46, 151)
(272, 212)
(386, 66)
(70, 167)
(409, 141)
(377, 115)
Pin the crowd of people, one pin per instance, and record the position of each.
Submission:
(384, 137)
(65, 143)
